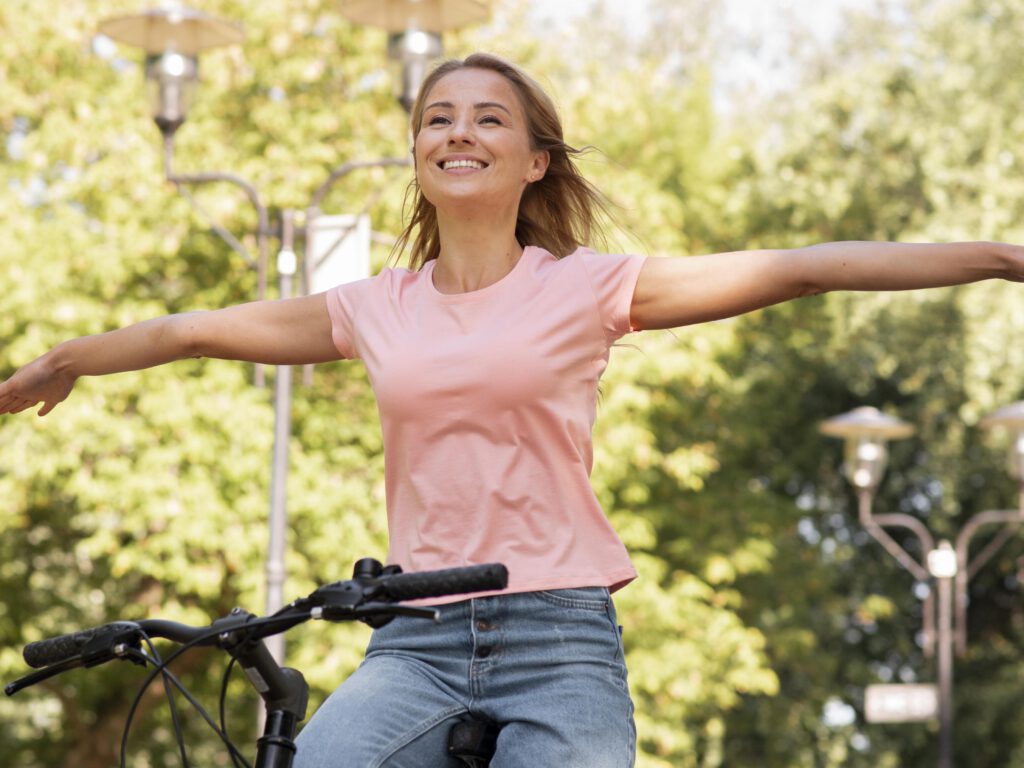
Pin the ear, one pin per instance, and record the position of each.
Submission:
(539, 166)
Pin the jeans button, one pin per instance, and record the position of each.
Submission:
(483, 625)
(483, 651)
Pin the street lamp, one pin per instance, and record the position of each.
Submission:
(866, 431)
(172, 37)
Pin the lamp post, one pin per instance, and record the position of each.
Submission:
(172, 37)
(866, 432)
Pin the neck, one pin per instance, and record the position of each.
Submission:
(474, 254)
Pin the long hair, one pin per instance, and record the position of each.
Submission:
(559, 212)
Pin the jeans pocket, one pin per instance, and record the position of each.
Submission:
(585, 598)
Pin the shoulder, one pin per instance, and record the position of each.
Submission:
(606, 273)
(390, 281)
(605, 270)
(583, 259)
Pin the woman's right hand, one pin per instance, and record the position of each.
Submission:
(41, 381)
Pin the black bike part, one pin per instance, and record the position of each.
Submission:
(473, 741)
(367, 568)
(451, 581)
(276, 747)
(282, 688)
(172, 705)
(222, 708)
(160, 668)
(93, 646)
(44, 674)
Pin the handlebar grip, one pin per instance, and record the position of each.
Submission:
(450, 581)
(54, 650)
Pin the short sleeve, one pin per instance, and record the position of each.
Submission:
(613, 280)
(343, 303)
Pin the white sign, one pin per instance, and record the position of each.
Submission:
(901, 703)
(337, 250)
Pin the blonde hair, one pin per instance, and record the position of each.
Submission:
(559, 212)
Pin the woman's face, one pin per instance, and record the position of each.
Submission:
(473, 146)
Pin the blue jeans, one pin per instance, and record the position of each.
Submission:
(547, 666)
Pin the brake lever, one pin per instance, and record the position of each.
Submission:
(43, 674)
(398, 609)
(373, 613)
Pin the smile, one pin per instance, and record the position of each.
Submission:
(448, 165)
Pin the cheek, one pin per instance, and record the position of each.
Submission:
(418, 153)
(420, 162)
(425, 183)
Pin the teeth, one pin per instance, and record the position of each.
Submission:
(448, 164)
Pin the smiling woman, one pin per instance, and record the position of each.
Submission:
(485, 357)
(556, 207)
(474, 159)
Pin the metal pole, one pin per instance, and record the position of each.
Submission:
(945, 586)
(873, 524)
(286, 263)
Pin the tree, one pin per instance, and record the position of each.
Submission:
(900, 131)
(145, 494)
(762, 609)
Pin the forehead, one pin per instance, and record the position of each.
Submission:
(470, 86)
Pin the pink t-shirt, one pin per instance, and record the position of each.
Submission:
(487, 400)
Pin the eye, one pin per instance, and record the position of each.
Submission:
(493, 119)
(438, 120)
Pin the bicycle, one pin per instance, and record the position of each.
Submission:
(373, 596)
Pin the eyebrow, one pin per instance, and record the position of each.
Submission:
(478, 105)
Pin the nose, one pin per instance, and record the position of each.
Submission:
(461, 132)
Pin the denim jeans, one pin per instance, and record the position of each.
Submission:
(547, 666)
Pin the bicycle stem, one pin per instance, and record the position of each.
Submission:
(284, 691)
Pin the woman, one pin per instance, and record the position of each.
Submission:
(485, 359)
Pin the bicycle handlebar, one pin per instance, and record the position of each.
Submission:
(372, 596)
(372, 587)
(93, 645)
(55, 650)
(451, 581)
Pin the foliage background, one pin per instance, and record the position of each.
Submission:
(763, 610)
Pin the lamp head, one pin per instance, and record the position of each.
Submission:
(413, 50)
(171, 79)
(172, 36)
(414, 32)
(431, 15)
(866, 431)
(1011, 418)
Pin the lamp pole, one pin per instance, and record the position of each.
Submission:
(172, 37)
(866, 432)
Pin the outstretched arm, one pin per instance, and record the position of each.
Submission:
(290, 332)
(671, 292)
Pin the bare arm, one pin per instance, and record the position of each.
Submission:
(290, 332)
(671, 292)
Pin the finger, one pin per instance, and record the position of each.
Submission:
(13, 404)
(7, 404)
(47, 407)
